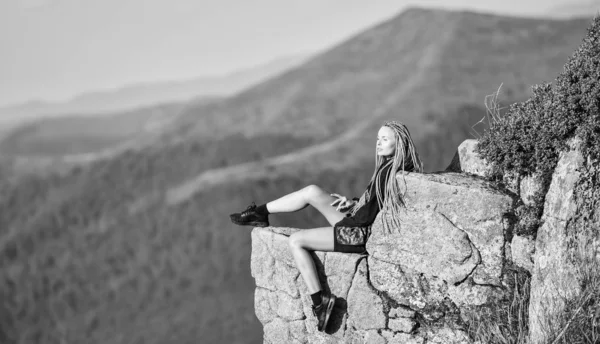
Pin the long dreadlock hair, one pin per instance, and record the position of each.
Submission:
(406, 159)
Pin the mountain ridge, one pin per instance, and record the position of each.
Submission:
(330, 92)
(132, 96)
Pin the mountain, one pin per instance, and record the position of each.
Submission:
(576, 9)
(139, 247)
(395, 71)
(48, 138)
(389, 71)
(145, 94)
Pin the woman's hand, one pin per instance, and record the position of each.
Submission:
(343, 204)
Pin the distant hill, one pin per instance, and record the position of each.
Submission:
(139, 247)
(73, 135)
(415, 68)
(80, 127)
(145, 94)
(576, 9)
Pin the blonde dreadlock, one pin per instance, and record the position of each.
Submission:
(406, 159)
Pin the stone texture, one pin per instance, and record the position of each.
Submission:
(470, 161)
(263, 305)
(413, 289)
(279, 331)
(468, 294)
(359, 337)
(402, 325)
(428, 242)
(522, 250)
(373, 337)
(272, 264)
(554, 277)
(451, 203)
(447, 335)
(285, 307)
(402, 338)
(402, 312)
(365, 307)
(340, 272)
(530, 185)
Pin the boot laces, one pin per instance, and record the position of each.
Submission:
(250, 209)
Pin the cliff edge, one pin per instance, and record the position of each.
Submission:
(416, 284)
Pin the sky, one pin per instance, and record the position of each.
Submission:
(55, 49)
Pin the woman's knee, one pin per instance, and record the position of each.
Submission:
(313, 191)
(295, 240)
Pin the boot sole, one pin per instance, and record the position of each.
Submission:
(255, 224)
(328, 312)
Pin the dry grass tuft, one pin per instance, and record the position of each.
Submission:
(493, 113)
(579, 323)
(506, 321)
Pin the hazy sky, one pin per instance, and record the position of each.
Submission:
(54, 49)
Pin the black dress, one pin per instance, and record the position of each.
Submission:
(351, 233)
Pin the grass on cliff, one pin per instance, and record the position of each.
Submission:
(527, 141)
(505, 321)
(580, 322)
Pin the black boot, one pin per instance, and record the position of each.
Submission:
(323, 311)
(250, 217)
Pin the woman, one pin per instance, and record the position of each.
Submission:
(350, 219)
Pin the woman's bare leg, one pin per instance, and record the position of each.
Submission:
(317, 239)
(310, 195)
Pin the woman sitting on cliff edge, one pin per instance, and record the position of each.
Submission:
(351, 220)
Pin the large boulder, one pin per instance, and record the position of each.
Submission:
(445, 257)
(453, 227)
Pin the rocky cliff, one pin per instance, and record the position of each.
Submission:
(446, 260)
(557, 275)
(416, 283)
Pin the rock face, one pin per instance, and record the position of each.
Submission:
(470, 161)
(554, 278)
(458, 219)
(282, 303)
(446, 257)
(443, 258)
(529, 186)
(522, 252)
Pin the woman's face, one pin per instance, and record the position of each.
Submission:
(386, 142)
